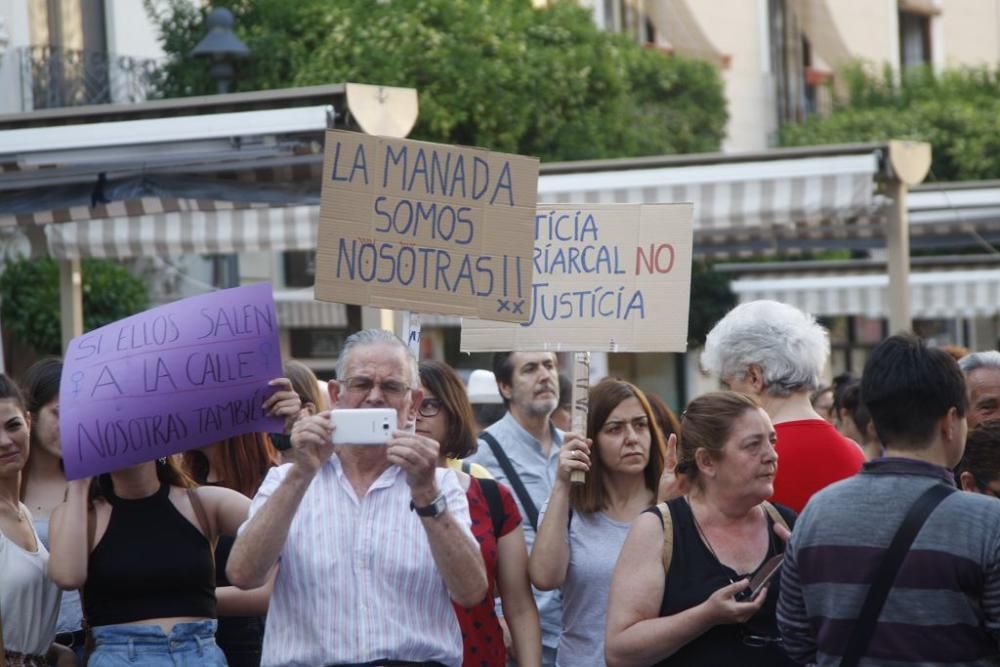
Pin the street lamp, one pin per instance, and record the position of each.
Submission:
(221, 45)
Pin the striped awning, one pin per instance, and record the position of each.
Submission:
(297, 310)
(198, 232)
(745, 208)
(970, 292)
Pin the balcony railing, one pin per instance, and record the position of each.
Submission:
(56, 77)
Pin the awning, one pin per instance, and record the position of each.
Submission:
(745, 207)
(676, 21)
(934, 294)
(818, 20)
(297, 310)
(273, 229)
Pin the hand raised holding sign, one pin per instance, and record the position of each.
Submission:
(574, 456)
(284, 402)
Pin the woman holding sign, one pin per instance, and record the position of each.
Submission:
(584, 526)
(29, 602)
(445, 415)
(139, 544)
(691, 586)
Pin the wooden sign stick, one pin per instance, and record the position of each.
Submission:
(411, 333)
(581, 403)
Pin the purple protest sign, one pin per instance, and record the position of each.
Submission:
(169, 379)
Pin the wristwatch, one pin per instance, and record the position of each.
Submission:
(434, 510)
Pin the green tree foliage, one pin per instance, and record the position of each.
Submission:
(29, 289)
(957, 112)
(711, 299)
(492, 73)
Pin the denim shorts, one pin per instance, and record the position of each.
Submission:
(188, 645)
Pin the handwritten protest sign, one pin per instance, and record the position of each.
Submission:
(175, 377)
(426, 227)
(607, 278)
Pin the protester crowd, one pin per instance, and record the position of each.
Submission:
(777, 521)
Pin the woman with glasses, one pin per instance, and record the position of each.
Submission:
(584, 525)
(445, 415)
(686, 603)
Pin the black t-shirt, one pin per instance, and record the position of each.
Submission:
(695, 573)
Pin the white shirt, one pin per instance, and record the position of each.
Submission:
(29, 601)
(357, 581)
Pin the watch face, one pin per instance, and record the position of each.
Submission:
(435, 509)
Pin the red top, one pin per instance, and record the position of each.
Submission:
(811, 455)
(481, 633)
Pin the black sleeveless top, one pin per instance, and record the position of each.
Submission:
(695, 573)
(151, 563)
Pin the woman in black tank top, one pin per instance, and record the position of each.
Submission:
(138, 543)
(723, 532)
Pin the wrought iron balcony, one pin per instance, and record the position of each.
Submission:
(53, 77)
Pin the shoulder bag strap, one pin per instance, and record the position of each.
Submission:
(515, 480)
(202, 517)
(494, 503)
(775, 515)
(668, 539)
(885, 576)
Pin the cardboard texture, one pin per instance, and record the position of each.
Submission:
(179, 376)
(608, 278)
(425, 227)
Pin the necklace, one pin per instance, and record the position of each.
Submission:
(704, 537)
(18, 512)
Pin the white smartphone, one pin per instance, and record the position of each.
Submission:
(364, 426)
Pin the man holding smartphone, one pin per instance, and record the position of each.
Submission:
(373, 541)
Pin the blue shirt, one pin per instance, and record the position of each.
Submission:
(538, 474)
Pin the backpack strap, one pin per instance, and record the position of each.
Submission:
(467, 468)
(775, 515)
(515, 480)
(202, 516)
(494, 503)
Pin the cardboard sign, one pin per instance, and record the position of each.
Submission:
(608, 278)
(425, 227)
(179, 376)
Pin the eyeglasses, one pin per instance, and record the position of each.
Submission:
(430, 407)
(362, 386)
(639, 425)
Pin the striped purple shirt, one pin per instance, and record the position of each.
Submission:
(944, 607)
(357, 581)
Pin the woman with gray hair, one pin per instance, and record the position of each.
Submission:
(775, 353)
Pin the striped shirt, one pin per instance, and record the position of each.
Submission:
(944, 607)
(357, 581)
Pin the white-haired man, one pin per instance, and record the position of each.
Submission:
(982, 377)
(775, 353)
(374, 541)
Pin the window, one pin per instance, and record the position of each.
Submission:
(914, 39)
(316, 343)
(789, 60)
(300, 268)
